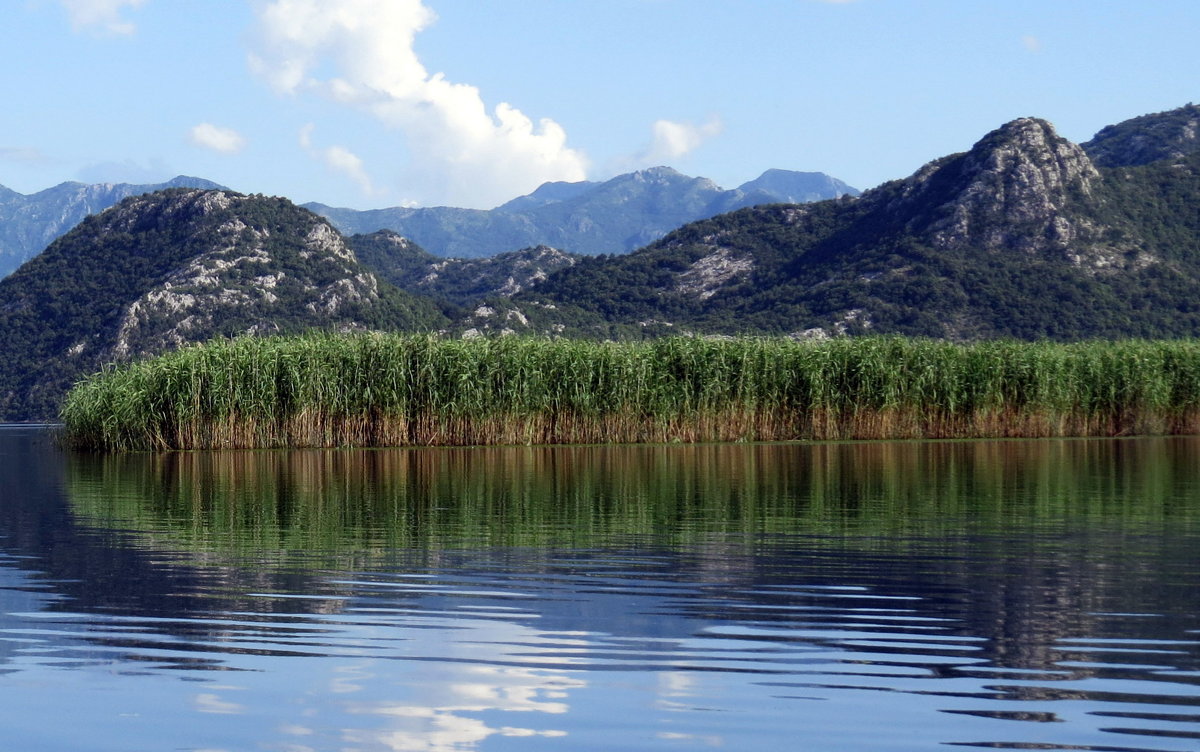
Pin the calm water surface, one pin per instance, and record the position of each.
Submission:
(881, 596)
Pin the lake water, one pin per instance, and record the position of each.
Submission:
(858, 596)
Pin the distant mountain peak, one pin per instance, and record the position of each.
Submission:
(1163, 135)
(660, 176)
(618, 215)
(659, 171)
(792, 187)
(546, 193)
(187, 181)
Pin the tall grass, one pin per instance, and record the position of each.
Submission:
(396, 390)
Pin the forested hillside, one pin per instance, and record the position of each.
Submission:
(165, 269)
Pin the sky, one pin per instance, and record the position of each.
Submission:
(379, 103)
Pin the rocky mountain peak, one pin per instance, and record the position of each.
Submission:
(172, 206)
(1014, 189)
(661, 172)
(393, 238)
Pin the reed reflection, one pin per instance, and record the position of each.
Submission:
(468, 598)
(371, 501)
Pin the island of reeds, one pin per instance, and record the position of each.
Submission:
(332, 390)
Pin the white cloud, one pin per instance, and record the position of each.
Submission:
(459, 151)
(673, 140)
(104, 15)
(224, 140)
(670, 142)
(1032, 43)
(348, 163)
(339, 159)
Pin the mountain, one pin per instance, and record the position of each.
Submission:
(789, 187)
(1146, 139)
(29, 223)
(1025, 235)
(548, 193)
(461, 282)
(164, 269)
(614, 216)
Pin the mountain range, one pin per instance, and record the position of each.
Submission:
(614, 216)
(1025, 235)
(617, 215)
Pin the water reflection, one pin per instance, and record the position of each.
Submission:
(854, 596)
(380, 500)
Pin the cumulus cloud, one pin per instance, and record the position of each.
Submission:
(103, 15)
(360, 53)
(209, 136)
(670, 141)
(339, 159)
(673, 140)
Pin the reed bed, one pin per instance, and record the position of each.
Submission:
(327, 390)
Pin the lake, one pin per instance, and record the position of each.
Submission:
(845, 596)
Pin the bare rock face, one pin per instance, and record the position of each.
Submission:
(708, 274)
(1014, 190)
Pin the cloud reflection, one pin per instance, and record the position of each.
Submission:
(211, 703)
(447, 724)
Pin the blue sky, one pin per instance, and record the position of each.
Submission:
(372, 103)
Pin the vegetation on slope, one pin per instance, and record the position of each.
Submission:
(29, 223)
(1149, 138)
(455, 281)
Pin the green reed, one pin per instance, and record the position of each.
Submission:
(395, 390)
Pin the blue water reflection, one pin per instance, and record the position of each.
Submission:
(123, 629)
